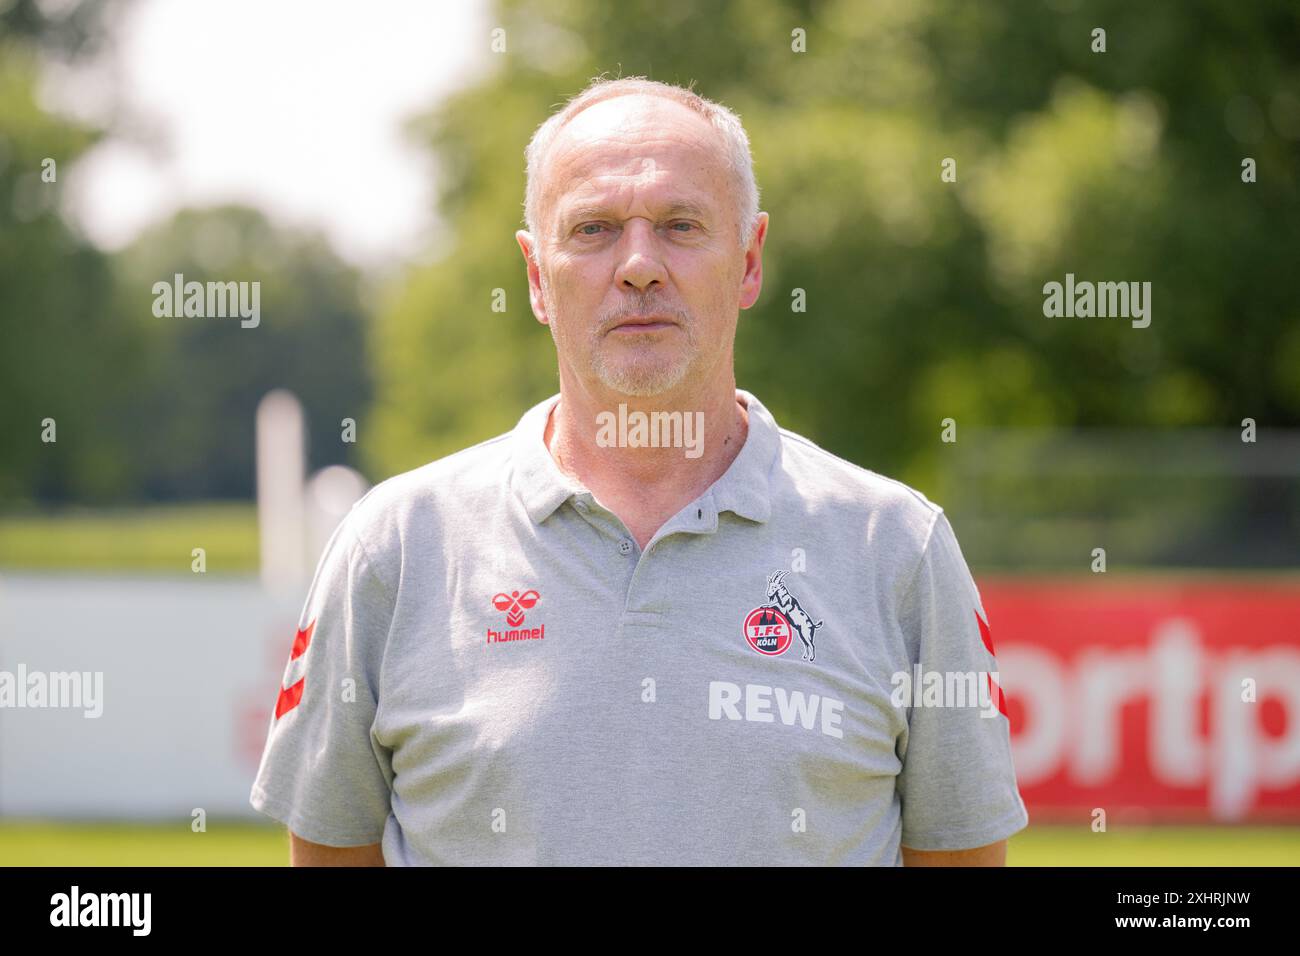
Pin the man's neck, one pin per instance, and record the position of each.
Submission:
(591, 440)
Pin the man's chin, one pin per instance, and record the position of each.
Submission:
(642, 382)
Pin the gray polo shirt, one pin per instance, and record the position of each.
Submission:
(489, 670)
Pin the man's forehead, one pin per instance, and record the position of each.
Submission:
(647, 146)
(609, 187)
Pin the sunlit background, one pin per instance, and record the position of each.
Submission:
(1127, 498)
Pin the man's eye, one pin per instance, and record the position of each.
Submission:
(595, 228)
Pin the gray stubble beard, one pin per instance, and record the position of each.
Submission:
(639, 374)
(635, 378)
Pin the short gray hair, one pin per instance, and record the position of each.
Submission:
(735, 141)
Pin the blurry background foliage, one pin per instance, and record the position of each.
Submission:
(924, 298)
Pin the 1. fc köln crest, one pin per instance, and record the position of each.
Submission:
(771, 628)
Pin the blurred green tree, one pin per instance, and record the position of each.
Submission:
(64, 356)
(147, 408)
(189, 419)
(924, 297)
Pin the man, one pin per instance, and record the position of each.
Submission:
(576, 643)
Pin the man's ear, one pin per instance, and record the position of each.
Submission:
(751, 283)
(529, 246)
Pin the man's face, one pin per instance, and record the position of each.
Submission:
(641, 270)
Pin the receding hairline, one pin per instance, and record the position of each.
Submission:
(712, 141)
(648, 102)
(731, 144)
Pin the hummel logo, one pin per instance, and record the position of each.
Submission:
(514, 604)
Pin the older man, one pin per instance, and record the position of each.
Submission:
(575, 643)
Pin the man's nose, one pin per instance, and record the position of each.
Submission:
(641, 266)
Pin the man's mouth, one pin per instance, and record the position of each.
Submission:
(648, 323)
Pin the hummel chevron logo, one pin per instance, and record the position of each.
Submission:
(995, 689)
(514, 604)
(290, 696)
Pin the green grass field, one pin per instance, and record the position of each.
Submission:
(155, 538)
(25, 843)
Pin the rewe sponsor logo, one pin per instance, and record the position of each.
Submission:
(56, 690)
(102, 909)
(213, 300)
(653, 430)
(792, 707)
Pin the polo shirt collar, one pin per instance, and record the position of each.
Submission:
(745, 487)
(535, 476)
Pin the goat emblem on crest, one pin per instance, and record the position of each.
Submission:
(770, 628)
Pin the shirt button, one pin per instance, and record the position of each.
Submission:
(625, 546)
(581, 506)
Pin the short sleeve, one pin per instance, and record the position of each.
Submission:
(957, 786)
(322, 773)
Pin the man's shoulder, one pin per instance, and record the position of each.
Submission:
(476, 467)
(455, 487)
(843, 489)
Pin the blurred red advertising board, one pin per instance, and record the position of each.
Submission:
(1154, 700)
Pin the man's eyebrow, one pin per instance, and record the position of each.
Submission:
(682, 207)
